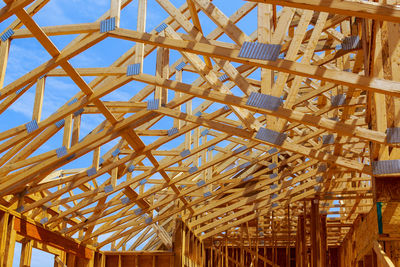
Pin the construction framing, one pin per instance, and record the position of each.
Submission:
(283, 150)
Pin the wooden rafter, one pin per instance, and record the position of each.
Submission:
(187, 142)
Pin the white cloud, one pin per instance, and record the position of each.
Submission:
(53, 14)
(23, 57)
(24, 104)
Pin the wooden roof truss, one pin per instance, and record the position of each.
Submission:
(219, 175)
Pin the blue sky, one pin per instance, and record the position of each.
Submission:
(27, 54)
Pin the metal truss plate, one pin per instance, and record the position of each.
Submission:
(107, 25)
(393, 135)
(180, 66)
(108, 188)
(338, 100)
(273, 175)
(193, 169)
(271, 136)
(207, 194)
(20, 209)
(273, 186)
(91, 172)
(264, 101)
(161, 27)
(261, 51)
(272, 166)
(248, 178)
(61, 152)
(78, 112)
(322, 167)
(240, 149)
(200, 183)
(351, 42)
(273, 150)
(133, 69)
(31, 126)
(60, 123)
(205, 132)
(131, 168)
(244, 165)
(115, 152)
(317, 188)
(386, 167)
(153, 104)
(138, 211)
(20, 90)
(223, 78)
(185, 153)
(7, 35)
(328, 139)
(125, 200)
(73, 101)
(172, 131)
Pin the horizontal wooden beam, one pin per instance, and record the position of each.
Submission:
(361, 9)
(281, 65)
(34, 231)
(60, 30)
(291, 115)
(12, 7)
(288, 146)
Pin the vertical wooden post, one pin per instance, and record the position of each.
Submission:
(324, 247)
(203, 255)
(162, 71)
(115, 11)
(368, 261)
(7, 239)
(212, 253)
(241, 246)
(315, 234)
(264, 34)
(71, 260)
(26, 254)
(188, 135)
(3, 236)
(178, 78)
(75, 130)
(257, 234)
(288, 241)
(141, 27)
(37, 108)
(265, 242)
(273, 240)
(4, 49)
(301, 245)
(67, 131)
(177, 244)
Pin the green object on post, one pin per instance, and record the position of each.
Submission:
(379, 213)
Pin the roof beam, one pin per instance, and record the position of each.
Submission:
(360, 9)
(292, 67)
